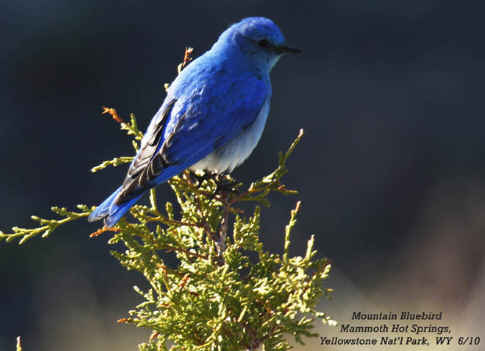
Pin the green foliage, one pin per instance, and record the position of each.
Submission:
(226, 292)
(218, 298)
(47, 226)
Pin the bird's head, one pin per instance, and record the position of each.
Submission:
(257, 38)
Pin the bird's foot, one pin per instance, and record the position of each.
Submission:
(226, 185)
(198, 178)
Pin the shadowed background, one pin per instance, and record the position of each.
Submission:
(390, 170)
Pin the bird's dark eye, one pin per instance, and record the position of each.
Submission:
(264, 43)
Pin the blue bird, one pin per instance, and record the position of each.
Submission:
(212, 117)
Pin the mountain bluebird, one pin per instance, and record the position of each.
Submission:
(212, 117)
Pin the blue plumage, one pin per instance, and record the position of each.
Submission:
(212, 117)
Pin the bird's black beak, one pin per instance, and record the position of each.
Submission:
(287, 50)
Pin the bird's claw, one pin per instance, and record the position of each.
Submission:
(198, 179)
(225, 185)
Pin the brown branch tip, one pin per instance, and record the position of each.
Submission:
(112, 112)
(187, 56)
(103, 230)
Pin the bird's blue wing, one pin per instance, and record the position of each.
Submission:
(193, 121)
(222, 116)
(120, 201)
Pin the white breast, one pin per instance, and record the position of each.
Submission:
(231, 155)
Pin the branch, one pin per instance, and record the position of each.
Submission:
(47, 226)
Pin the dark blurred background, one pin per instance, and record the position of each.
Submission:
(390, 170)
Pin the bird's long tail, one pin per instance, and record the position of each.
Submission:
(110, 212)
